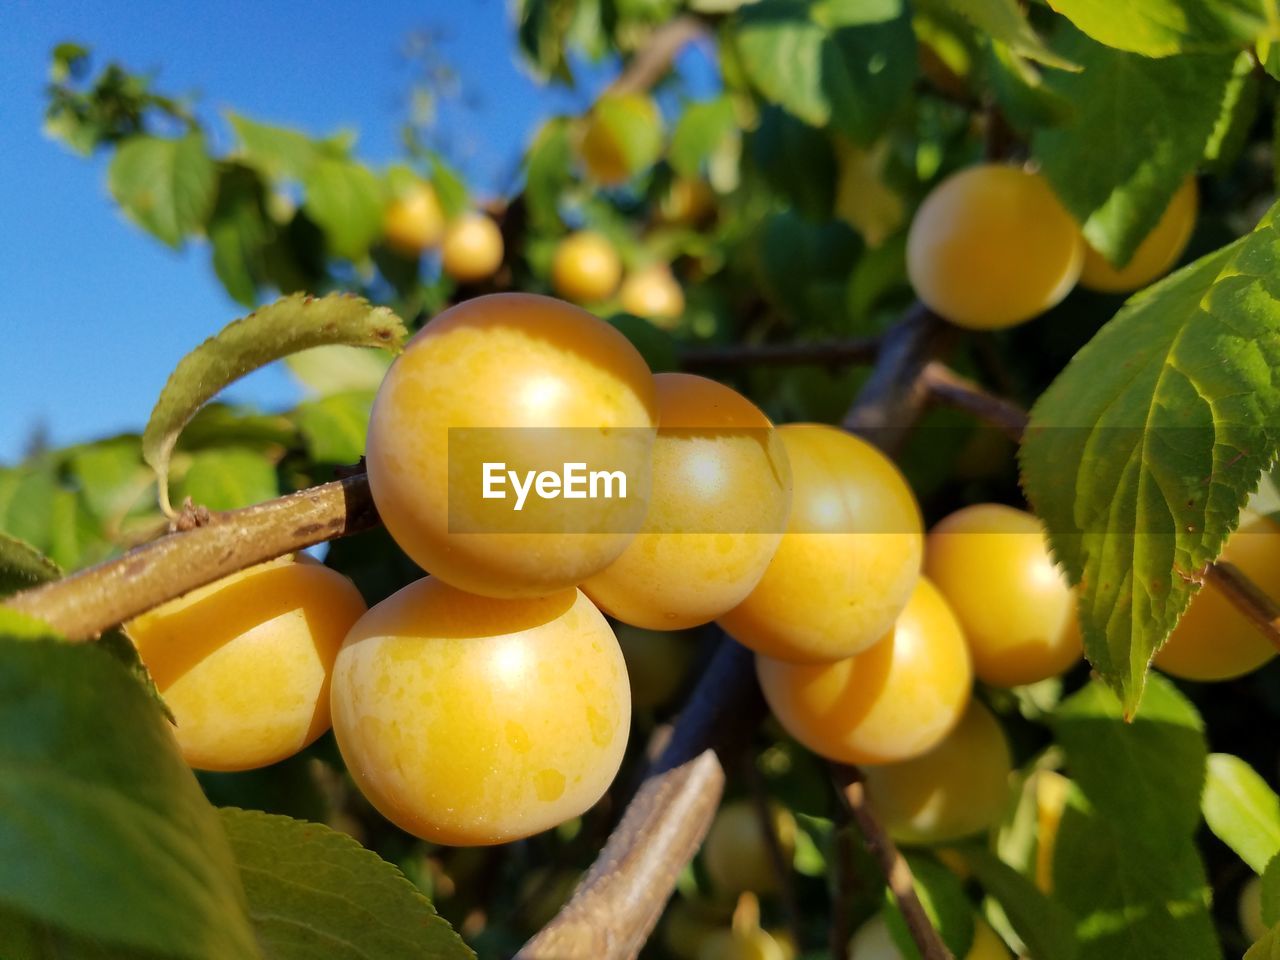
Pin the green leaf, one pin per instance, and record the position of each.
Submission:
(943, 897)
(797, 163)
(106, 835)
(346, 200)
(315, 892)
(1134, 896)
(1268, 948)
(290, 324)
(1138, 129)
(804, 267)
(1271, 892)
(278, 153)
(1159, 28)
(701, 129)
(1242, 810)
(229, 478)
(1146, 775)
(111, 476)
(335, 426)
(1045, 927)
(546, 171)
(655, 345)
(1141, 453)
(847, 63)
(239, 230)
(338, 369)
(23, 566)
(166, 186)
(26, 502)
(1004, 21)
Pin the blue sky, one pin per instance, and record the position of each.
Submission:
(95, 313)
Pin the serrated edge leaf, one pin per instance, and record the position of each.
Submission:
(293, 323)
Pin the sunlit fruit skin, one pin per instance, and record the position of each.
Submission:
(471, 721)
(1018, 611)
(1051, 791)
(1214, 640)
(507, 361)
(604, 155)
(718, 502)
(688, 200)
(850, 557)
(653, 293)
(957, 789)
(1156, 254)
(890, 703)
(736, 851)
(472, 248)
(991, 247)
(245, 663)
(585, 267)
(414, 221)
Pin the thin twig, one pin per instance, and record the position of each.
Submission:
(828, 353)
(946, 386)
(86, 603)
(654, 59)
(621, 897)
(845, 877)
(894, 395)
(1247, 597)
(852, 790)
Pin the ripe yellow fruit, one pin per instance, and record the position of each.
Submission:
(957, 789)
(991, 247)
(1017, 609)
(655, 294)
(1158, 251)
(622, 135)
(244, 663)
(736, 851)
(744, 940)
(472, 248)
(1214, 640)
(890, 703)
(1051, 789)
(510, 379)
(414, 221)
(1249, 910)
(874, 942)
(688, 201)
(848, 561)
(471, 721)
(657, 662)
(585, 267)
(717, 507)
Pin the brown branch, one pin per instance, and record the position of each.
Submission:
(893, 397)
(843, 883)
(654, 59)
(852, 790)
(946, 386)
(621, 897)
(84, 604)
(1246, 596)
(819, 353)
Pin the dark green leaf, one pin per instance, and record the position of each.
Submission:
(291, 324)
(23, 566)
(167, 186)
(106, 836)
(1142, 451)
(547, 167)
(797, 162)
(239, 231)
(315, 892)
(656, 346)
(1159, 28)
(1042, 923)
(1242, 810)
(1271, 892)
(1005, 22)
(849, 64)
(804, 268)
(1138, 129)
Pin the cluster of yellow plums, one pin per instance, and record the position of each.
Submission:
(471, 247)
(991, 247)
